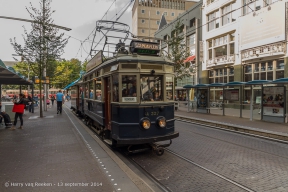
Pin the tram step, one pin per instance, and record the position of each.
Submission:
(108, 141)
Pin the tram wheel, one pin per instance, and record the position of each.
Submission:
(159, 151)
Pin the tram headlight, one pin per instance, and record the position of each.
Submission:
(161, 121)
(145, 123)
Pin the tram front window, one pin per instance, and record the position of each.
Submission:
(151, 88)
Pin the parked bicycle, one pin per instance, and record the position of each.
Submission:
(216, 104)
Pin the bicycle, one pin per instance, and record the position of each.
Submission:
(216, 104)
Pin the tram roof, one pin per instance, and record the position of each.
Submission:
(132, 58)
(8, 76)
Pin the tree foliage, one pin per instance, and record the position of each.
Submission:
(42, 45)
(178, 52)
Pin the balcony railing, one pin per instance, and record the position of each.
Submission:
(276, 48)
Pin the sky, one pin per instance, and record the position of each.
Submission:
(79, 15)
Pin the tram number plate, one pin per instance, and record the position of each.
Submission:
(151, 113)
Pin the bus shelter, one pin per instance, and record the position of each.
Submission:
(8, 76)
(274, 99)
(197, 97)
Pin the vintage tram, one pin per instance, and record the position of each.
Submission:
(128, 99)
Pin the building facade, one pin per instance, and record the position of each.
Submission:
(146, 14)
(191, 21)
(244, 41)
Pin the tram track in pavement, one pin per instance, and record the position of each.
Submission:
(210, 171)
(234, 129)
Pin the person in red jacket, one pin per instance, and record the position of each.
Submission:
(20, 115)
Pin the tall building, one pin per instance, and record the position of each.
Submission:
(243, 41)
(191, 20)
(146, 14)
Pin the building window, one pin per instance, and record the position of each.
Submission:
(165, 13)
(192, 22)
(143, 20)
(143, 31)
(213, 20)
(228, 14)
(191, 44)
(142, 11)
(157, 12)
(158, 22)
(248, 7)
(172, 14)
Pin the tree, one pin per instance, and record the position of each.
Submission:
(178, 52)
(42, 45)
(66, 72)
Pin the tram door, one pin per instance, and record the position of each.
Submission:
(107, 100)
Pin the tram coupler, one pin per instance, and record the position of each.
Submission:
(159, 148)
(136, 149)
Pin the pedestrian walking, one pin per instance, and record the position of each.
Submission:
(19, 114)
(60, 101)
(52, 99)
(30, 103)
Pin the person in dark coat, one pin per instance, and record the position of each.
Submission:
(20, 115)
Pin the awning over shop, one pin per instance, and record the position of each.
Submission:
(73, 83)
(8, 76)
(189, 59)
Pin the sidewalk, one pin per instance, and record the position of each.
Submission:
(262, 128)
(57, 153)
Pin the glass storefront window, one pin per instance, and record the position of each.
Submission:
(248, 69)
(98, 89)
(231, 72)
(115, 88)
(248, 77)
(279, 74)
(256, 76)
(270, 66)
(280, 64)
(211, 73)
(270, 75)
(151, 88)
(263, 66)
(263, 76)
(256, 67)
(169, 88)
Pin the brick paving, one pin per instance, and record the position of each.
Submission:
(47, 155)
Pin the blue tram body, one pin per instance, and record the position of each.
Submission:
(128, 99)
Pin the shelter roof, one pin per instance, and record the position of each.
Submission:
(8, 76)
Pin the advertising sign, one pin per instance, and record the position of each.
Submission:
(273, 101)
(202, 99)
(263, 26)
(95, 61)
(231, 94)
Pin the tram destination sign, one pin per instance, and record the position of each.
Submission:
(144, 48)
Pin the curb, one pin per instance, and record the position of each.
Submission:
(276, 136)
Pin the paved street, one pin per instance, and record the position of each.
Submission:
(257, 164)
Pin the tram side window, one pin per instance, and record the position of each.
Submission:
(151, 88)
(98, 89)
(115, 87)
(129, 86)
(91, 92)
(86, 91)
(169, 88)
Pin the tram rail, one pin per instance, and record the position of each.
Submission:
(235, 129)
